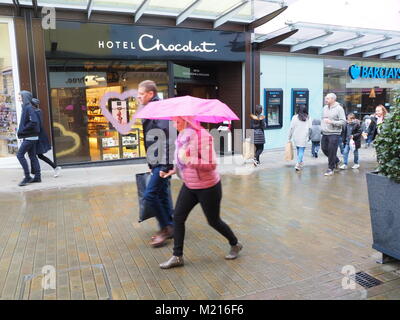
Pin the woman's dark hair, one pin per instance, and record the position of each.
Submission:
(302, 113)
(258, 109)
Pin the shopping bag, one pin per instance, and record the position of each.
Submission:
(248, 149)
(145, 211)
(289, 151)
(352, 145)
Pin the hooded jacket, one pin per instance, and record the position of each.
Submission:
(315, 134)
(29, 125)
(336, 114)
(161, 155)
(43, 144)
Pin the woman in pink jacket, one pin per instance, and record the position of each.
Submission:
(195, 164)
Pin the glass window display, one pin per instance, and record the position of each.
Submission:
(85, 131)
(8, 113)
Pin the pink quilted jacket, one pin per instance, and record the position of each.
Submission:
(195, 159)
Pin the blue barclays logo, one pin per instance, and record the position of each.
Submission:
(356, 72)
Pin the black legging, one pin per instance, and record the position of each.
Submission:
(47, 160)
(259, 150)
(210, 200)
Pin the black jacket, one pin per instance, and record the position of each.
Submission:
(259, 126)
(356, 133)
(162, 155)
(29, 125)
(43, 144)
(373, 127)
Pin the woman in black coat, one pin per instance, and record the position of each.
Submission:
(43, 144)
(257, 123)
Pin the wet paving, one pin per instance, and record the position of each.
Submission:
(298, 230)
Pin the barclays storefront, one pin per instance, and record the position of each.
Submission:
(360, 85)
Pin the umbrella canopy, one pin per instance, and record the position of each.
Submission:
(203, 110)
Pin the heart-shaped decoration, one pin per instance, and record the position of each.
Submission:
(354, 71)
(66, 133)
(121, 128)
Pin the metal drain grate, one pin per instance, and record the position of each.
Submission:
(365, 280)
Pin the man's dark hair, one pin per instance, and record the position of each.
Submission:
(258, 109)
(302, 113)
(149, 85)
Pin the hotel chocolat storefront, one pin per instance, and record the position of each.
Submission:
(86, 61)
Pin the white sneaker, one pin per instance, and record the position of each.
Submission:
(343, 167)
(297, 167)
(356, 166)
(57, 172)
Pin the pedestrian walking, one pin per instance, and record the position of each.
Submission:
(300, 129)
(195, 164)
(351, 136)
(157, 194)
(43, 144)
(333, 120)
(315, 137)
(376, 121)
(28, 130)
(258, 124)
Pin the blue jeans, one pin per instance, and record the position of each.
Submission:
(341, 145)
(315, 148)
(346, 152)
(300, 154)
(157, 196)
(29, 146)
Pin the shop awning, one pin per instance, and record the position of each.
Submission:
(329, 38)
(220, 11)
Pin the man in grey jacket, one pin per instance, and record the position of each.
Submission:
(333, 120)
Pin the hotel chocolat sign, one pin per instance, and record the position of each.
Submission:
(138, 42)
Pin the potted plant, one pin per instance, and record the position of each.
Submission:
(384, 187)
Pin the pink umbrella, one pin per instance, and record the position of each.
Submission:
(203, 110)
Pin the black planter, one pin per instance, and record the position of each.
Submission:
(384, 203)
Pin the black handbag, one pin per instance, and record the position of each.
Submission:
(145, 211)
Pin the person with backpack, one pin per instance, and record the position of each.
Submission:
(43, 144)
(28, 130)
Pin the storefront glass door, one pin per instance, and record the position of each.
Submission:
(8, 110)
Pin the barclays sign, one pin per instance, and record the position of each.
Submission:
(356, 72)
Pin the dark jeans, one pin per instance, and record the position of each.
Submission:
(329, 146)
(315, 148)
(210, 200)
(259, 150)
(341, 145)
(47, 160)
(157, 196)
(29, 146)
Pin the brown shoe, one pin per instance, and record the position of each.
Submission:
(157, 234)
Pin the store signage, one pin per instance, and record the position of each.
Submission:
(356, 72)
(75, 79)
(112, 41)
(146, 43)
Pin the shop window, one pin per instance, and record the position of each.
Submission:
(361, 95)
(8, 114)
(85, 131)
